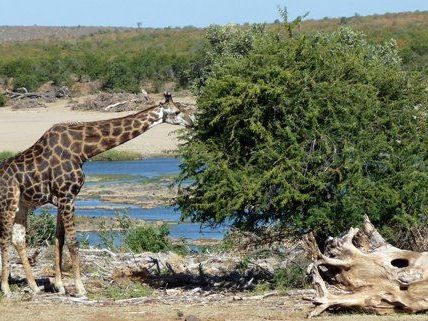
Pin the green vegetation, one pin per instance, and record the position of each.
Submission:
(293, 277)
(136, 238)
(148, 239)
(117, 155)
(41, 229)
(122, 60)
(308, 132)
(126, 59)
(5, 155)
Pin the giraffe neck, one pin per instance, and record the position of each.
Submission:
(101, 136)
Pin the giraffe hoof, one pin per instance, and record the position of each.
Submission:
(60, 290)
(37, 290)
(81, 293)
(59, 287)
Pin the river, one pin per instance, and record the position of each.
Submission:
(134, 172)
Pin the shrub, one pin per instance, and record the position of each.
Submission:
(291, 277)
(309, 132)
(136, 238)
(147, 239)
(120, 77)
(41, 229)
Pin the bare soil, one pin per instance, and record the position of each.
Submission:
(279, 308)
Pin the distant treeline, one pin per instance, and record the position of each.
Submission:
(125, 60)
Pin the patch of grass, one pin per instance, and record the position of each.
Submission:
(261, 288)
(122, 292)
(6, 154)
(117, 155)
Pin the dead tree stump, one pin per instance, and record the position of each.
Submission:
(361, 271)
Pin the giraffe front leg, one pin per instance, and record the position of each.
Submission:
(59, 245)
(6, 236)
(66, 211)
(5, 270)
(18, 240)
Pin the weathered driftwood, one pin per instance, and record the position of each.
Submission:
(361, 271)
(119, 104)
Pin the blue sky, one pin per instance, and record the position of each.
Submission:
(163, 13)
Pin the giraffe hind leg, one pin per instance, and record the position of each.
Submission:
(66, 212)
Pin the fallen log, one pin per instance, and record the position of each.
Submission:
(22, 94)
(361, 271)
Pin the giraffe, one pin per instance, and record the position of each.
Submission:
(50, 172)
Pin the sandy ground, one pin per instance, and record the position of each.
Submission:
(221, 311)
(19, 129)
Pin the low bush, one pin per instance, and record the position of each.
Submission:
(125, 235)
(41, 229)
(147, 238)
(291, 277)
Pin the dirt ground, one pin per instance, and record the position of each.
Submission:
(19, 129)
(281, 308)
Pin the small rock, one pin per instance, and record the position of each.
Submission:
(180, 314)
(191, 318)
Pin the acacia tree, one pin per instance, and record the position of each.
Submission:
(309, 132)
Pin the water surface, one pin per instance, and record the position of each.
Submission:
(133, 172)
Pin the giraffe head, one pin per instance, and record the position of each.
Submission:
(175, 113)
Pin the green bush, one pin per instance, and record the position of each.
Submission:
(310, 132)
(136, 238)
(120, 77)
(147, 239)
(41, 229)
(291, 277)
